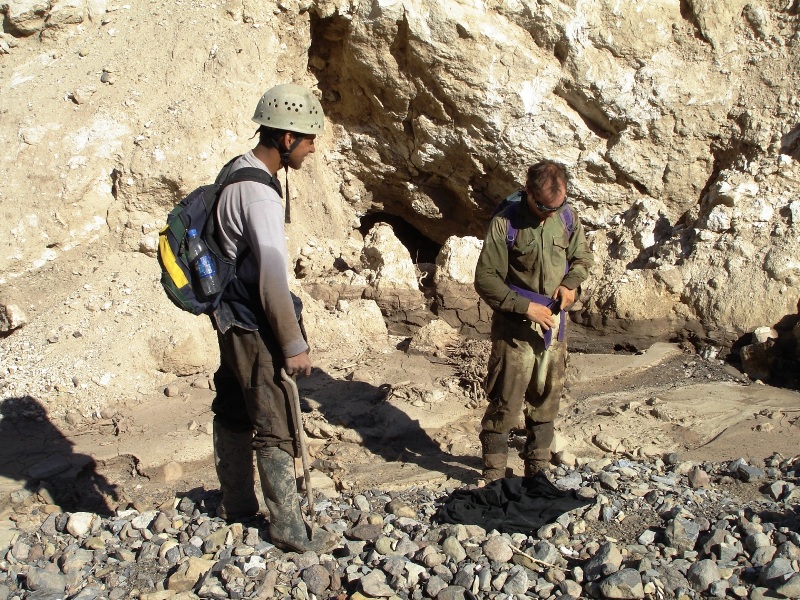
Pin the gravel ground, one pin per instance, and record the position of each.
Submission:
(660, 529)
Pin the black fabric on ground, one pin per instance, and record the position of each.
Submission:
(510, 505)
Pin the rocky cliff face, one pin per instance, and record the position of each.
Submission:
(679, 123)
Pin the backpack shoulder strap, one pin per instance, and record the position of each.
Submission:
(226, 170)
(512, 215)
(252, 174)
(211, 192)
(568, 218)
(226, 178)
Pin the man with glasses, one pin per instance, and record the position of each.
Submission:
(534, 257)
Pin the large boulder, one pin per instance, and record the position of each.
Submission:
(456, 300)
(394, 282)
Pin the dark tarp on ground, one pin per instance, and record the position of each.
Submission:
(510, 505)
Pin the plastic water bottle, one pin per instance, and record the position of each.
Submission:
(203, 264)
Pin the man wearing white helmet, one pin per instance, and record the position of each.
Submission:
(260, 329)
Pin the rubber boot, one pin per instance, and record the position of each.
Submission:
(495, 455)
(233, 458)
(287, 530)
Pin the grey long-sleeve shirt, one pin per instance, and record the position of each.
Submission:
(251, 215)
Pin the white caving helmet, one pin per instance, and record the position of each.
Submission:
(290, 107)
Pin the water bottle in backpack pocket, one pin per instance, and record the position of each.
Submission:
(203, 265)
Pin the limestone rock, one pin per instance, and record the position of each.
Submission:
(188, 574)
(626, 583)
(758, 360)
(717, 21)
(79, 524)
(435, 336)
(66, 12)
(25, 17)
(354, 325)
(395, 285)
(457, 301)
(11, 317)
(457, 259)
(762, 334)
(186, 351)
(386, 255)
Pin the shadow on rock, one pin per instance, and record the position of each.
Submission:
(35, 452)
(771, 354)
(383, 429)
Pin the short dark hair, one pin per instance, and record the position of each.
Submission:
(269, 137)
(546, 175)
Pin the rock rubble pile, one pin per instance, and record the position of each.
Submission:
(661, 529)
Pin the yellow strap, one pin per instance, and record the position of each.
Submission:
(170, 263)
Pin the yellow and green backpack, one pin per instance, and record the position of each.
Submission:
(197, 211)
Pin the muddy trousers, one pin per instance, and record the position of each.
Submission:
(251, 410)
(522, 377)
(233, 459)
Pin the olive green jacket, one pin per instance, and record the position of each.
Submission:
(537, 262)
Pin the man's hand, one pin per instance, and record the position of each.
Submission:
(566, 295)
(298, 365)
(541, 315)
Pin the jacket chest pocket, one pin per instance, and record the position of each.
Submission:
(524, 258)
(558, 254)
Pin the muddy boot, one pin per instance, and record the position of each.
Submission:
(233, 458)
(537, 454)
(533, 466)
(287, 530)
(495, 455)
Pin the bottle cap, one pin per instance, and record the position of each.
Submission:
(192, 233)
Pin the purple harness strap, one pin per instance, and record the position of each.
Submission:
(548, 302)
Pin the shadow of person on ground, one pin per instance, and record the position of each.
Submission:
(386, 430)
(36, 454)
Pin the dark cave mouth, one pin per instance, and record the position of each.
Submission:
(422, 248)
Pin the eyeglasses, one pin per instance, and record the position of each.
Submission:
(549, 209)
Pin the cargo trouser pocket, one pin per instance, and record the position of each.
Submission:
(268, 408)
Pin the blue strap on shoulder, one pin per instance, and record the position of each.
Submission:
(568, 218)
